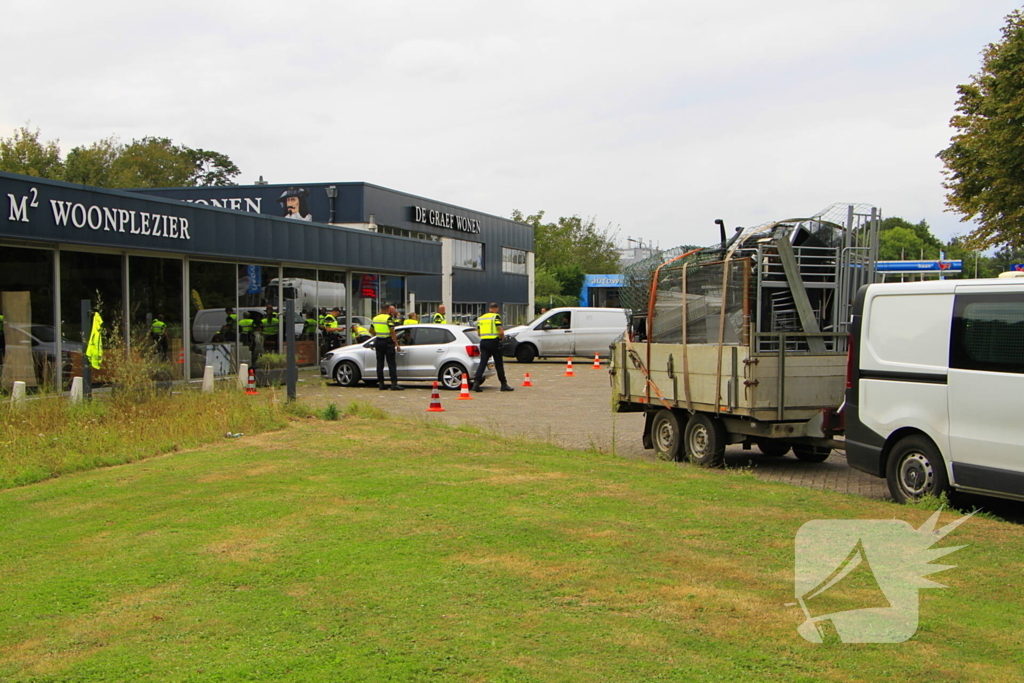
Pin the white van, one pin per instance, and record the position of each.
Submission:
(565, 332)
(935, 387)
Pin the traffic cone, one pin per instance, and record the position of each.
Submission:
(435, 402)
(527, 382)
(181, 356)
(597, 362)
(464, 390)
(568, 369)
(251, 389)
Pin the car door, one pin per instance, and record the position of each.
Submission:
(555, 335)
(424, 351)
(986, 383)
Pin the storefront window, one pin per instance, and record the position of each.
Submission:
(513, 261)
(155, 295)
(513, 314)
(300, 286)
(28, 349)
(98, 278)
(217, 339)
(467, 254)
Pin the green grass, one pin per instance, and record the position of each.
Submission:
(377, 550)
(49, 437)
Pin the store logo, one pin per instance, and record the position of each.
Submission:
(857, 580)
(19, 206)
(119, 220)
(439, 219)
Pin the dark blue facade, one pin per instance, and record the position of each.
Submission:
(366, 204)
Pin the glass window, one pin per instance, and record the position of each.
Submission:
(96, 277)
(213, 299)
(466, 314)
(431, 335)
(513, 261)
(27, 349)
(988, 333)
(155, 291)
(300, 286)
(558, 321)
(467, 255)
(513, 314)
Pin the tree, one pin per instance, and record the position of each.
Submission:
(900, 239)
(572, 242)
(146, 162)
(984, 163)
(24, 153)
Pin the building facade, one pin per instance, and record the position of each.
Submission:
(484, 258)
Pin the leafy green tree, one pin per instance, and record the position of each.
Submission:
(147, 162)
(545, 284)
(26, 154)
(984, 174)
(572, 241)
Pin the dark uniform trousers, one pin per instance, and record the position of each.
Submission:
(385, 349)
(490, 348)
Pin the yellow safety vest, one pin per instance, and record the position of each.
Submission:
(329, 322)
(158, 328)
(410, 321)
(382, 325)
(245, 324)
(439, 319)
(94, 349)
(359, 331)
(488, 325)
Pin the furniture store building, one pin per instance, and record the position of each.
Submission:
(179, 253)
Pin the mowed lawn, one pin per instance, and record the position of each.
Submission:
(378, 550)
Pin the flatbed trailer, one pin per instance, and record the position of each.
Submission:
(747, 343)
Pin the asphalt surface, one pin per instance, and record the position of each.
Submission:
(575, 412)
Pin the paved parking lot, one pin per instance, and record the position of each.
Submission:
(575, 412)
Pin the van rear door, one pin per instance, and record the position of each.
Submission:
(986, 388)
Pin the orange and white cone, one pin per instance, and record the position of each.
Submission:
(181, 356)
(597, 361)
(435, 402)
(464, 389)
(251, 388)
(527, 382)
(568, 369)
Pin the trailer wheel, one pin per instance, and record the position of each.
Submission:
(667, 435)
(916, 469)
(705, 441)
(773, 447)
(812, 453)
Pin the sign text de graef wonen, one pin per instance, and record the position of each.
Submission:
(105, 218)
(445, 220)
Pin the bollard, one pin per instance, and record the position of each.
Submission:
(76, 390)
(243, 376)
(18, 393)
(208, 379)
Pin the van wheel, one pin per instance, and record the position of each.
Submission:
(525, 353)
(916, 469)
(773, 448)
(705, 441)
(346, 374)
(812, 453)
(666, 435)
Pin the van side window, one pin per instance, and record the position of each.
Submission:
(558, 321)
(988, 332)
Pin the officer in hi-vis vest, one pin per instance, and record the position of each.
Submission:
(386, 344)
(158, 333)
(439, 316)
(491, 334)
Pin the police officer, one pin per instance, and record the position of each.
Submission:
(158, 333)
(413, 319)
(439, 316)
(386, 344)
(332, 334)
(309, 324)
(491, 334)
(360, 334)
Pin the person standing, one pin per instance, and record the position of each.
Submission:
(158, 333)
(386, 344)
(413, 319)
(439, 316)
(491, 334)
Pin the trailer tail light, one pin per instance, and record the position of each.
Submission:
(850, 351)
(473, 351)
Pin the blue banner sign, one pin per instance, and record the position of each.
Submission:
(919, 266)
(1017, 267)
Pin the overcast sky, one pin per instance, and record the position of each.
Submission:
(653, 117)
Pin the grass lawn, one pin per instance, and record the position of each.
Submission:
(377, 550)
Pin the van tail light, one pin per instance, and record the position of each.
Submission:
(473, 351)
(850, 351)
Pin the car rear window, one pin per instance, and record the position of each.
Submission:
(472, 334)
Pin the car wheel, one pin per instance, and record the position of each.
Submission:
(667, 435)
(773, 447)
(346, 373)
(812, 453)
(915, 470)
(450, 376)
(705, 441)
(525, 353)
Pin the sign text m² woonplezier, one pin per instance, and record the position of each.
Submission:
(120, 220)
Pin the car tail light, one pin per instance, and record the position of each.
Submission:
(473, 351)
(849, 362)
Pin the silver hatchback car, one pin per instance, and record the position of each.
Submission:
(429, 352)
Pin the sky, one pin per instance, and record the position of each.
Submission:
(653, 118)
